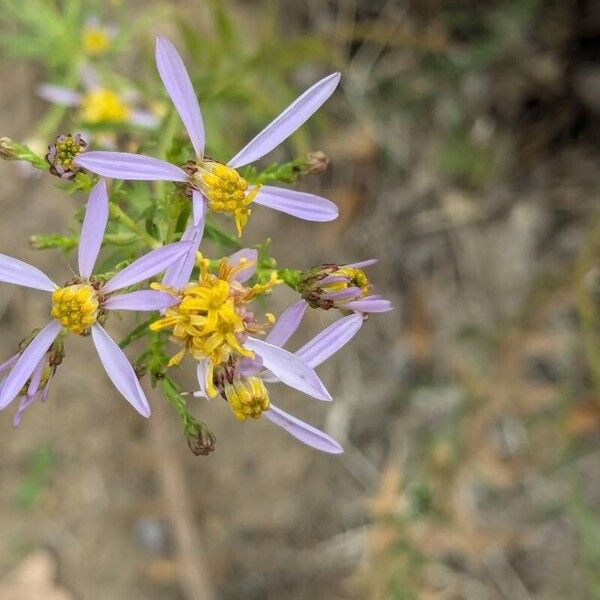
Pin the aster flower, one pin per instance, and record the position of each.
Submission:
(99, 104)
(61, 154)
(221, 186)
(345, 287)
(241, 383)
(211, 318)
(96, 38)
(39, 384)
(82, 304)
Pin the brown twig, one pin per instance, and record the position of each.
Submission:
(191, 556)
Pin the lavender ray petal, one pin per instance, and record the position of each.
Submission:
(289, 369)
(330, 340)
(198, 207)
(13, 270)
(57, 94)
(36, 378)
(363, 263)
(119, 370)
(144, 118)
(250, 366)
(27, 362)
(298, 204)
(351, 292)
(295, 115)
(369, 305)
(178, 274)
(142, 300)
(92, 230)
(251, 257)
(307, 434)
(147, 266)
(179, 87)
(333, 279)
(287, 324)
(123, 165)
(202, 373)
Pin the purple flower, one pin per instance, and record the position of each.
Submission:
(82, 304)
(242, 383)
(345, 287)
(218, 184)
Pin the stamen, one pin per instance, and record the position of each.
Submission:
(75, 307)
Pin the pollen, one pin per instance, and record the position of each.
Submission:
(102, 105)
(247, 397)
(95, 40)
(75, 307)
(226, 191)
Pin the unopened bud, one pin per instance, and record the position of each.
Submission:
(201, 440)
(7, 149)
(62, 153)
(331, 286)
(317, 162)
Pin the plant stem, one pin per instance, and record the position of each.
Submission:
(118, 215)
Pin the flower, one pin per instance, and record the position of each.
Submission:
(39, 383)
(82, 303)
(61, 154)
(211, 318)
(99, 104)
(344, 287)
(95, 37)
(220, 185)
(241, 383)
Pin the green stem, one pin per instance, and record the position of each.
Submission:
(140, 331)
(118, 215)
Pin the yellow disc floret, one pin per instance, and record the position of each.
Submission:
(101, 105)
(226, 191)
(75, 307)
(352, 278)
(95, 40)
(247, 397)
(211, 320)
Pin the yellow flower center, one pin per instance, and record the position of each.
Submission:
(247, 398)
(66, 150)
(354, 278)
(75, 307)
(103, 105)
(95, 40)
(225, 190)
(211, 318)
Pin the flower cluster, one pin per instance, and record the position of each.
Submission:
(214, 316)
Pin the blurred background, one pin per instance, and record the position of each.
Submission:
(464, 155)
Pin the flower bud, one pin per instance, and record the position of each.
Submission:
(331, 286)
(201, 440)
(7, 149)
(61, 155)
(317, 162)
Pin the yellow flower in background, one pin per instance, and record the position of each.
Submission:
(96, 38)
(101, 105)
